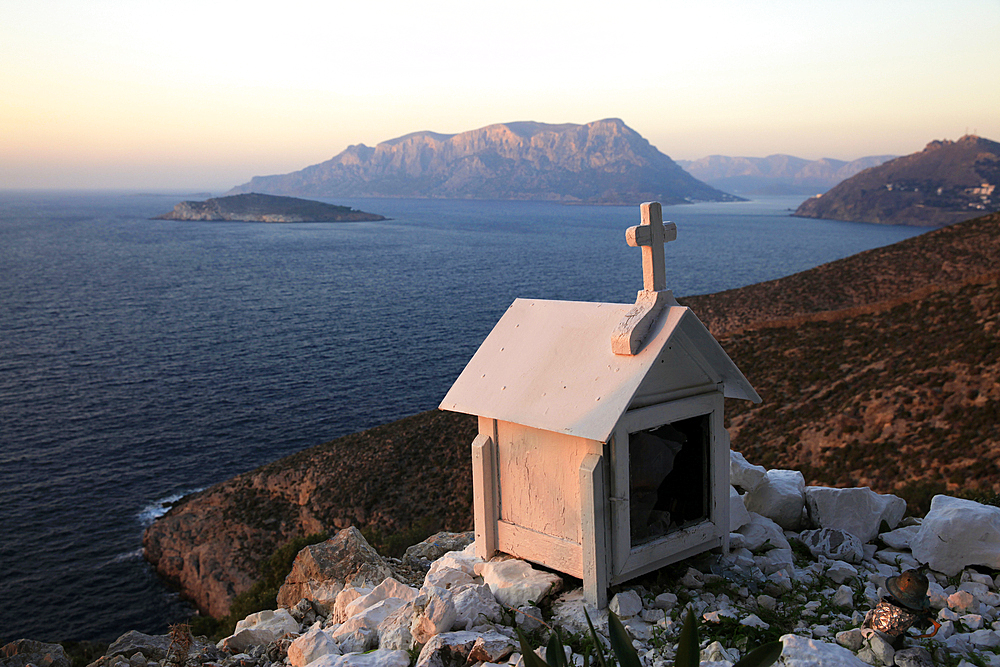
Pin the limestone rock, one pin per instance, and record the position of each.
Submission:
(312, 645)
(804, 652)
(434, 613)
(779, 497)
(738, 514)
(438, 545)
(859, 511)
(900, 538)
(916, 656)
(360, 631)
(763, 534)
(833, 543)
(23, 652)
(263, 627)
(475, 604)
(379, 658)
(957, 533)
(453, 569)
(390, 589)
(626, 604)
(152, 647)
(345, 559)
(515, 583)
(453, 649)
(394, 632)
(744, 475)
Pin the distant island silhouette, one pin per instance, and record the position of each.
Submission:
(254, 207)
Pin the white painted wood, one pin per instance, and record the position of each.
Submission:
(672, 557)
(547, 364)
(720, 477)
(631, 331)
(621, 542)
(658, 552)
(484, 495)
(593, 492)
(539, 479)
(547, 550)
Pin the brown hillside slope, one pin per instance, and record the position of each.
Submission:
(877, 369)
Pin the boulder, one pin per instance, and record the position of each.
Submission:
(23, 652)
(310, 646)
(263, 627)
(455, 649)
(344, 599)
(436, 546)
(515, 583)
(379, 658)
(833, 543)
(455, 568)
(899, 538)
(321, 571)
(394, 632)
(152, 647)
(804, 652)
(388, 589)
(360, 631)
(957, 533)
(475, 604)
(433, 613)
(859, 511)
(738, 514)
(744, 475)
(779, 497)
(763, 534)
(626, 604)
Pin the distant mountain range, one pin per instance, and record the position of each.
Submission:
(947, 182)
(776, 174)
(601, 162)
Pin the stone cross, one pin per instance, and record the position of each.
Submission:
(651, 235)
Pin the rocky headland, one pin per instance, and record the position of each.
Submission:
(255, 207)
(947, 182)
(603, 162)
(776, 174)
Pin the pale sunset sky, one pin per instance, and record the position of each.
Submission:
(186, 95)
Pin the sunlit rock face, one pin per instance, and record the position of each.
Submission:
(601, 162)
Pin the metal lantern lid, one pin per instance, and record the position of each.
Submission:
(909, 589)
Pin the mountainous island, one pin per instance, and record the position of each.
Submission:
(776, 174)
(254, 207)
(604, 162)
(947, 182)
(880, 369)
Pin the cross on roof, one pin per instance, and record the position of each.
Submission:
(651, 235)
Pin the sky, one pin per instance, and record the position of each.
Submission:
(201, 96)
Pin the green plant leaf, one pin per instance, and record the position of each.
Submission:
(555, 654)
(688, 653)
(621, 644)
(598, 648)
(530, 658)
(762, 656)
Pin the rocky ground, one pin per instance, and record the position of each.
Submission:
(806, 566)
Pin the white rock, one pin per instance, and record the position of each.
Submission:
(978, 578)
(665, 601)
(834, 543)
(475, 604)
(901, 560)
(947, 614)
(860, 511)
(844, 597)
(880, 648)
(850, 639)
(433, 613)
(743, 474)
(515, 583)
(763, 534)
(626, 604)
(978, 590)
(568, 613)
(716, 652)
(736, 540)
(840, 571)
(313, 644)
(738, 515)
(394, 632)
(972, 621)
(805, 652)
(390, 588)
(900, 538)
(379, 658)
(963, 601)
(754, 621)
(957, 533)
(767, 602)
(779, 497)
(719, 614)
(344, 598)
(985, 638)
(771, 561)
(262, 627)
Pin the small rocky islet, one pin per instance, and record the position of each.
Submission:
(806, 566)
(255, 207)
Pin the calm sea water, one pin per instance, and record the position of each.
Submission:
(142, 359)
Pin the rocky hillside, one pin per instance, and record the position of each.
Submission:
(879, 369)
(947, 182)
(601, 162)
(776, 174)
(255, 207)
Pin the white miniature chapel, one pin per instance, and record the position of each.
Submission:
(601, 450)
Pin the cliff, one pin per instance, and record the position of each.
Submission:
(878, 369)
(255, 207)
(947, 182)
(601, 162)
(776, 174)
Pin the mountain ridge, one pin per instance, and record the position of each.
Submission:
(604, 162)
(945, 183)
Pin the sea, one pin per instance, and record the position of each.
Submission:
(141, 360)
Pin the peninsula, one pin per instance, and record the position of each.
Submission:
(254, 207)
